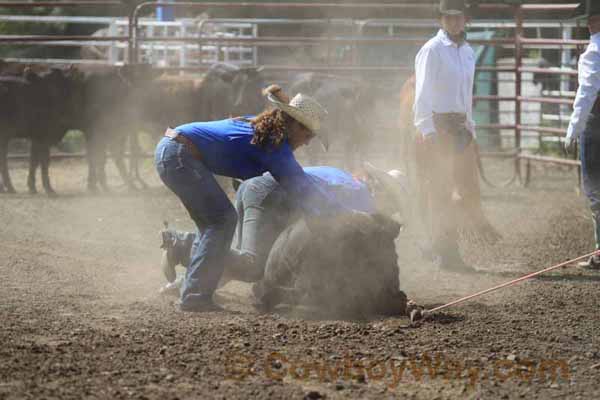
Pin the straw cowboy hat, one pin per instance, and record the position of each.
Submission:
(302, 108)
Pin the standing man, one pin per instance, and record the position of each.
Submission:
(584, 125)
(445, 151)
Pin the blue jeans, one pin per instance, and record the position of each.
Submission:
(263, 213)
(209, 208)
(589, 151)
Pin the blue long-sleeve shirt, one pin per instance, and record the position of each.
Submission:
(227, 150)
(346, 189)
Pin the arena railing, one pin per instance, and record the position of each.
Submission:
(521, 42)
(21, 39)
(518, 42)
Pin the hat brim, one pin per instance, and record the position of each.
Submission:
(296, 114)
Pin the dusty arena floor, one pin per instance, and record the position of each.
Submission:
(82, 318)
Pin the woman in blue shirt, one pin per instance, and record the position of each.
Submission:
(188, 156)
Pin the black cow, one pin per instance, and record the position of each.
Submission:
(114, 109)
(39, 105)
(225, 90)
(110, 105)
(357, 276)
(12, 116)
(122, 101)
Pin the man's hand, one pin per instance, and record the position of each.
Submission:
(428, 139)
(570, 144)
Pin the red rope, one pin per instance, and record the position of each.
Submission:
(514, 281)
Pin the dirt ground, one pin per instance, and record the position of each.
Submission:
(82, 318)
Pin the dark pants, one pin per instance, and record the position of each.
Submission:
(589, 145)
(211, 210)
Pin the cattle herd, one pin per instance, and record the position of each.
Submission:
(111, 105)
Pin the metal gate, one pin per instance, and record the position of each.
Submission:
(513, 73)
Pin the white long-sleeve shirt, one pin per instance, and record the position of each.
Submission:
(589, 86)
(444, 81)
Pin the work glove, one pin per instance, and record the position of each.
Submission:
(570, 144)
(428, 139)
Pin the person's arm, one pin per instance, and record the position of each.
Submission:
(589, 85)
(304, 193)
(470, 123)
(425, 71)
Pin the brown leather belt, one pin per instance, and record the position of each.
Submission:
(187, 143)
(450, 118)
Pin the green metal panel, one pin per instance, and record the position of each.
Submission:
(484, 112)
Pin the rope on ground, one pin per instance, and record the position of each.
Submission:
(511, 154)
(511, 283)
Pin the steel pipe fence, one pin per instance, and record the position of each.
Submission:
(85, 3)
(561, 100)
(519, 43)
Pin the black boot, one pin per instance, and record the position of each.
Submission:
(593, 263)
(176, 251)
(243, 267)
(450, 260)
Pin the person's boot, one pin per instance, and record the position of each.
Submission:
(176, 250)
(593, 263)
(243, 267)
(198, 304)
(168, 260)
(450, 260)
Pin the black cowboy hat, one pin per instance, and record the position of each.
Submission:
(587, 9)
(453, 7)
